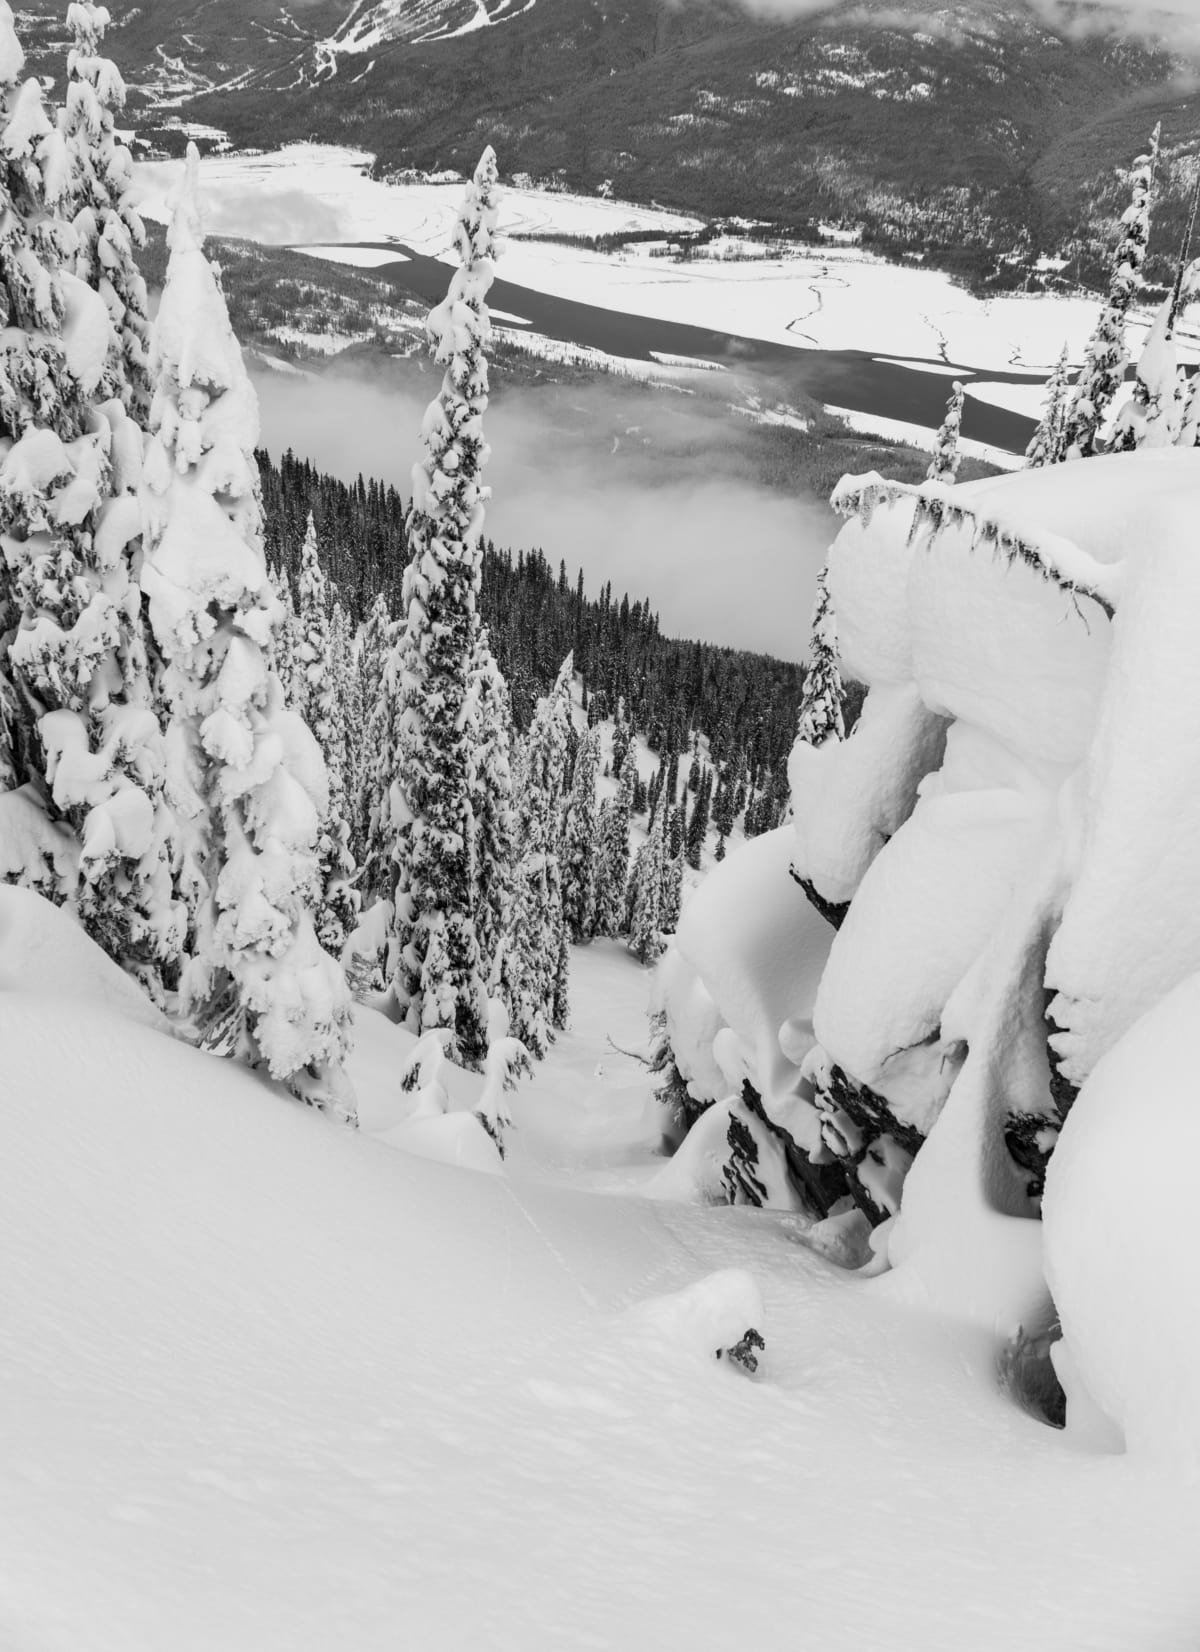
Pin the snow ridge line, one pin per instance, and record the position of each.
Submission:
(1049, 558)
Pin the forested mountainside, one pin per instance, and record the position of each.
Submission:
(745, 704)
(974, 134)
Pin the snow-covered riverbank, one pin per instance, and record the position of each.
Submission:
(837, 297)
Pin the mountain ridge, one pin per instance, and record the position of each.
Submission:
(954, 135)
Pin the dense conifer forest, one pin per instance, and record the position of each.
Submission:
(744, 703)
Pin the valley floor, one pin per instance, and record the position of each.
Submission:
(271, 1386)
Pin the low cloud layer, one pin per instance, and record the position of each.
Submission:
(722, 559)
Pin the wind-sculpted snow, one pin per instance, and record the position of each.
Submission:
(1006, 841)
(1046, 851)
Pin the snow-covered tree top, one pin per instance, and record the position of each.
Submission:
(205, 411)
(12, 57)
(459, 326)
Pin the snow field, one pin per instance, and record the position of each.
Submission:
(274, 1386)
(832, 298)
(331, 187)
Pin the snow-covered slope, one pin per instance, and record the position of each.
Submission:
(270, 1386)
(374, 23)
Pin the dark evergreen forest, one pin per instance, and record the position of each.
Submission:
(746, 704)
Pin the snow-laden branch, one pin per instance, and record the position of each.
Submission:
(1053, 557)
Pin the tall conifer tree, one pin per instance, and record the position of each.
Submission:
(320, 699)
(426, 810)
(1107, 355)
(81, 752)
(1048, 445)
(108, 227)
(821, 716)
(947, 456)
(542, 1000)
(579, 842)
(259, 985)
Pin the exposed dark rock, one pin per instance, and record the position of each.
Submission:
(832, 911)
(854, 1119)
(1062, 1091)
(742, 1185)
(1025, 1136)
(821, 1186)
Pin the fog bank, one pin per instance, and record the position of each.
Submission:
(719, 556)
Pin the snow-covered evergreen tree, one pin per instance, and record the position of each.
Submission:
(348, 692)
(821, 716)
(371, 847)
(947, 457)
(285, 637)
(579, 842)
(1048, 444)
(320, 700)
(492, 807)
(258, 985)
(85, 819)
(645, 895)
(671, 896)
(622, 736)
(612, 866)
(541, 1000)
(1107, 356)
(437, 977)
(99, 201)
(697, 830)
(1153, 414)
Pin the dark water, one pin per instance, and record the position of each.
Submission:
(842, 378)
